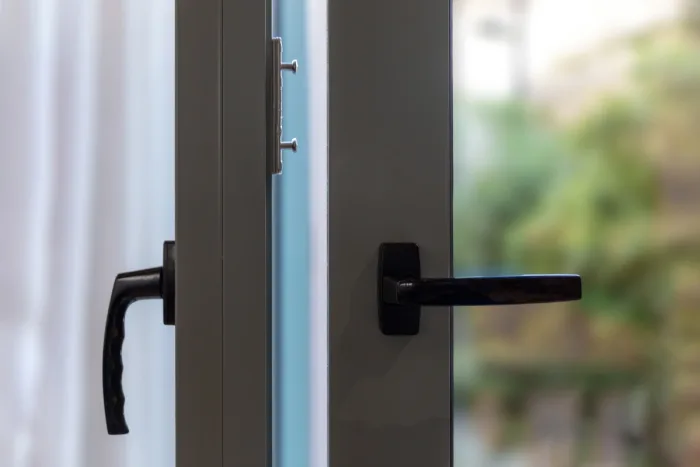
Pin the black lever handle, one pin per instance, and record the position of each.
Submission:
(481, 291)
(128, 288)
(402, 291)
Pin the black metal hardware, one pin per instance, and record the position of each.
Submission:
(130, 287)
(402, 291)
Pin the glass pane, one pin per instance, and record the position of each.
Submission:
(576, 151)
(299, 249)
(86, 192)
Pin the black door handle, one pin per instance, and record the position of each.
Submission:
(402, 291)
(130, 287)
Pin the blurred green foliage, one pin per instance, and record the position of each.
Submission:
(591, 195)
(584, 198)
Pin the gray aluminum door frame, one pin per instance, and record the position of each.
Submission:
(222, 234)
(390, 180)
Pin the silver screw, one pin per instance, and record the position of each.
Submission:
(289, 145)
(290, 66)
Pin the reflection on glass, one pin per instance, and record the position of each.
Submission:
(577, 151)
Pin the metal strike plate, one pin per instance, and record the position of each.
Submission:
(278, 66)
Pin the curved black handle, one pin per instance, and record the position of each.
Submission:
(402, 291)
(128, 288)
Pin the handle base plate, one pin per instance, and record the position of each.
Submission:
(400, 261)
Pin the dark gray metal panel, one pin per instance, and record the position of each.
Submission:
(246, 235)
(199, 330)
(390, 180)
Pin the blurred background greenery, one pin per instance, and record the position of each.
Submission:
(601, 180)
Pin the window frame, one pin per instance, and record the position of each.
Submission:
(389, 125)
(390, 180)
(223, 200)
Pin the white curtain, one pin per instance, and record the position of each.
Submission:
(86, 191)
